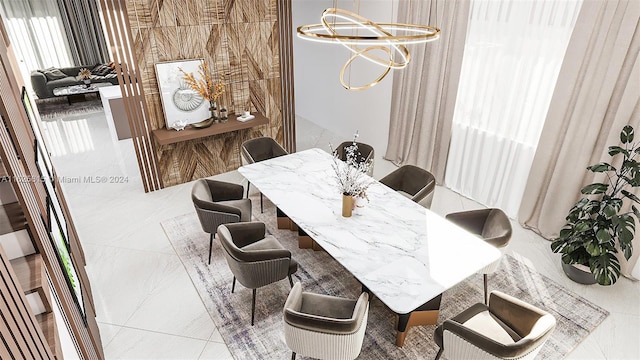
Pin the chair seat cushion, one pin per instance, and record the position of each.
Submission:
(270, 243)
(490, 326)
(479, 319)
(327, 306)
(243, 205)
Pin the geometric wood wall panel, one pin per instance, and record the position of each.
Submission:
(239, 40)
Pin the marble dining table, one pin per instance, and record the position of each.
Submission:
(403, 253)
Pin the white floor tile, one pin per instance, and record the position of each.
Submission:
(174, 308)
(108, 332)
(137, 344)
(216, 351)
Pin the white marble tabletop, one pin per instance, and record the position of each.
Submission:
(405, 254)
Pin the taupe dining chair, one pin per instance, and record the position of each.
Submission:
(323, 326)
(507, 328)
(219, 202)
(366, 153)
(413, 182)
(260, 149)
(492, 226)
(254, 258)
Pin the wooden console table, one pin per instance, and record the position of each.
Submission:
(166, 136)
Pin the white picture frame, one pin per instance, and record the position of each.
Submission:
(179, 102)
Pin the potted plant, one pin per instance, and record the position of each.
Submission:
(597, 226)
(351, 176)
(85, 76)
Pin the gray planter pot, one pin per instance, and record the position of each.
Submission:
(578, 275)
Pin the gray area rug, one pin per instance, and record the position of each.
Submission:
(319, 273)
(57, 107)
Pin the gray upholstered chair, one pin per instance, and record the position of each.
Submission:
(260, 149)
(413, 182)
(507, 328)
(217, 203)
(365, 151)
(492, 226)
(324, 327)
(255, 259)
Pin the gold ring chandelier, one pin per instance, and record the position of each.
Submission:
(375, 37)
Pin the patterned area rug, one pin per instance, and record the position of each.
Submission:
(319, 273)
(55, 108)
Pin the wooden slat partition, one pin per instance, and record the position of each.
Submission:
(118, 30)
(17, 155)
(286, 74)
(20, 336)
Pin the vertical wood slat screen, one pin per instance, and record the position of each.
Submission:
(20, 335)
(286, 74)
(18, 158)
(118, 29)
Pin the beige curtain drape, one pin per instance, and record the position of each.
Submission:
(597, 93)
(424, 93)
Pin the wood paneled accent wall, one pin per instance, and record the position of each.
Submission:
(239, 39)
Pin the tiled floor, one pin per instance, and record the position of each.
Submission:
(148, 308)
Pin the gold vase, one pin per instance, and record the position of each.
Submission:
(347, 205)
(203, 124)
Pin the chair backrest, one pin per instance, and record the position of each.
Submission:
(260, 149)
(530, 326)
(365, 153)
(210, 213)
(311, 331)
(497, 227)
(412, 180)
(491, 224)
(253, 268)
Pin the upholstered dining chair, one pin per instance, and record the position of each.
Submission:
(366, 153)
(507, 328)
(413, 182)
(260, 149)
(492, 226)
(323, 326)
(217, 203)
(254, 258)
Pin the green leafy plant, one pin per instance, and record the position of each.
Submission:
(596, 223)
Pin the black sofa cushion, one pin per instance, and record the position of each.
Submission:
(54, 74)
(101, 70)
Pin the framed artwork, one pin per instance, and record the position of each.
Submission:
(179, 101)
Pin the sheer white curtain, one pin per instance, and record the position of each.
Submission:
(37, 34)
(511, 62)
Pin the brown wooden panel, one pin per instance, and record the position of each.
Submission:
(286, 73)
(132, 66)
(23, 337)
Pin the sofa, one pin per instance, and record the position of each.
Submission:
(44, 81)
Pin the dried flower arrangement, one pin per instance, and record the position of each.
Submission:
(204, 86)
(351, 174)
(84, 74)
